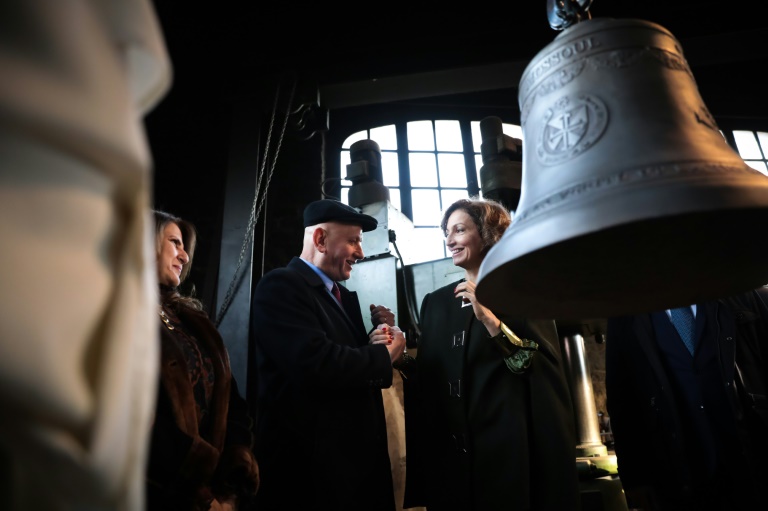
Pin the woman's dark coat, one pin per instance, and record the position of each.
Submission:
(479, 436)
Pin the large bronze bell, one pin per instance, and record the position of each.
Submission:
(631, 198)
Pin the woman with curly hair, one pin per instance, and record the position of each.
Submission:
(489, 418)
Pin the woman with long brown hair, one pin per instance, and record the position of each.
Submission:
(201, 452)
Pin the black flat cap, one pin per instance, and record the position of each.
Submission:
(329, 210)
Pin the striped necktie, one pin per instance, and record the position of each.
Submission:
(336, 292)
(684, 322)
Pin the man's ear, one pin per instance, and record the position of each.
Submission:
(319, 238)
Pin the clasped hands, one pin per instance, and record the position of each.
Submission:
(386, 333)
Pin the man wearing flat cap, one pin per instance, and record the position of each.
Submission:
(321, 432)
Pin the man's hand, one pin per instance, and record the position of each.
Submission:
(381, 314)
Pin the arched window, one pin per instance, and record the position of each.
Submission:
(435, 163)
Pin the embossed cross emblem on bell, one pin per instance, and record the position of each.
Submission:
(631, 198)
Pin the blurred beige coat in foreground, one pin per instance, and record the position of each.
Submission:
(78, 294)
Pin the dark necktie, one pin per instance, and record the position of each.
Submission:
(336, 292)
(683, 320)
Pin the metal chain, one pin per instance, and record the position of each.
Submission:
(254, 215)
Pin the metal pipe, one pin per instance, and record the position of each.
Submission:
(582, 394)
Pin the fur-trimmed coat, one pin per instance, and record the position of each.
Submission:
(188, 468)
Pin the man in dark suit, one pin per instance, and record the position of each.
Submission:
(690, 419)
(321, 437)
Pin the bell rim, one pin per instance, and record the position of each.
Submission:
(731, 210)
(580, 291)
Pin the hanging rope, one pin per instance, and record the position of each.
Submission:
(255, 212)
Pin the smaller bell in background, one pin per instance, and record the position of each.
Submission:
(502, 170)
(631, 198)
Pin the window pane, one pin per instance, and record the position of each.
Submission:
(763, 138)
(758, 165)
(453, 172)
(385, 136)
(423, 169)
(747, 145)
(394, 198)
(477, 138)
(354, 137)
(448, 134)
(390, 170)
(451, 196)
(421, 136)
(428, 245)
(426, 207)
(513, 130)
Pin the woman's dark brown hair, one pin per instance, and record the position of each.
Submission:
(189, 238)
(490, 217)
